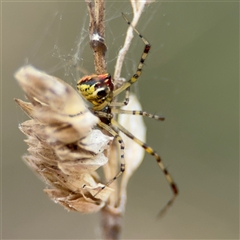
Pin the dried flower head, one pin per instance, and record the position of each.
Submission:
(64, 149)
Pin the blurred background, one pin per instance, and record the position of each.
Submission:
(191, 77)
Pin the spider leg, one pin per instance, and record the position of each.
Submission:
(136, 75)
(130, 112)
(103, 114)
(149, 150)
(124, 103)
(140, 113)
(114, 104)
(120, 141)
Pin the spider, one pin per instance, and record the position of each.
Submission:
(99, 90)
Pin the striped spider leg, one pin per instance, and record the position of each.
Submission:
(99, 90)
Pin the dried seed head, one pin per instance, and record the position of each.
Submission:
(64, 149)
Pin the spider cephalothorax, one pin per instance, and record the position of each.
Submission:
(97, 89)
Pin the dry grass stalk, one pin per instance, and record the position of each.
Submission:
(63, 148)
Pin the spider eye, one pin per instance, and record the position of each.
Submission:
(102, 93)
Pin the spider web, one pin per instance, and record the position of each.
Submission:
(55, 32)
(61, 44)
(63, 48)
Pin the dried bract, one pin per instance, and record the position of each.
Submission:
(64, 149)
(134, 153)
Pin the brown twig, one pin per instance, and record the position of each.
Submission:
(97, 34)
